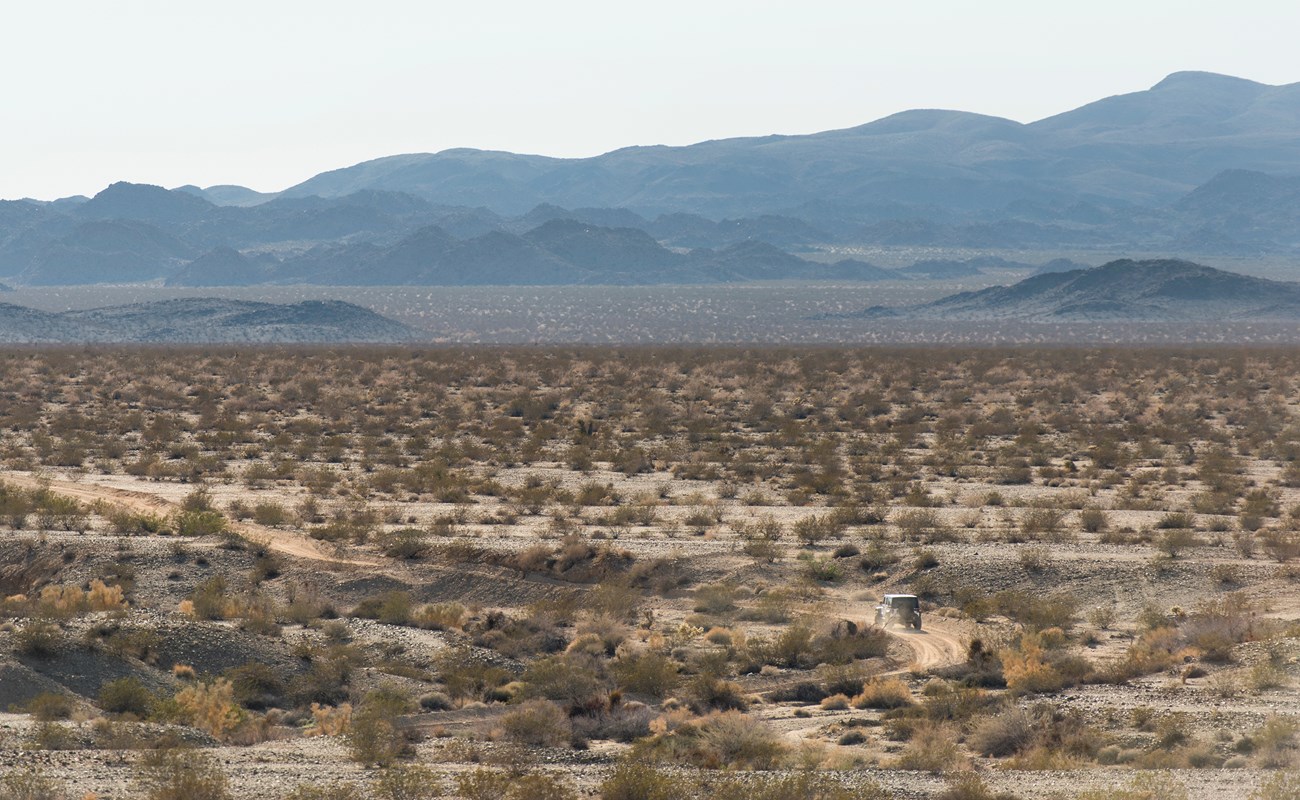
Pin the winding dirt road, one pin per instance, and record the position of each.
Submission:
(289, 543)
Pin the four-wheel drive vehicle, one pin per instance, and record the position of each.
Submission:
(899, 609)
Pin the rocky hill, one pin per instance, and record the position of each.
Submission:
(1120, 291)
(202, 320)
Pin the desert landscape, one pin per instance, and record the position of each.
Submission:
(543, 572)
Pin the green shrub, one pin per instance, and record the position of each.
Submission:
(649, 673)
(200, 523)
(126, 696)
(375, 736)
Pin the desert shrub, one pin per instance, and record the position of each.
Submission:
(1036, 611)
(812, 530)
(1035, 558)
(1041, 522)
(410, 782)
(1280, 545)
(576, 681)
(1002, 735)
(1146, 786)
(970, 787)
(539, 723)
(126, 696)
(1093, 520)
(181, 775)
(53, 736)
(1173, 541)
(49, 706)
(822, 570)
(485, 784)
(435, 701)
(38, 639)
(716, 598)
(374, 735)
(134, 523)
(932, 748)
(634, 780)
(209, 600)
(210, 707)
(835, 702)
(31, 785)
(406, 544)
(650, 673)
(625, 722)
(884, 693)
(722, 739)
(803, 785)
(271, 514)
(339, 791)
(1274, 743)
(1038, 665)
(945, 701)
(256, 685)
(440, 616)
(391, 608)
(199, 523)
(924, 525)
(1280, 786)
(708, 692)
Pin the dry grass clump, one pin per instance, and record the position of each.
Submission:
(884, 693)
(538, 723)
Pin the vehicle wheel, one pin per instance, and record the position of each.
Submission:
(918, 623)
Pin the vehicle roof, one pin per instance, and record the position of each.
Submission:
(893, 596)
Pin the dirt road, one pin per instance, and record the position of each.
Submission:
(290, 543)
(934, 647)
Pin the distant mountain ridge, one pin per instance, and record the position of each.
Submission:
(204, 320)
(1145, 147)
(1163, 290)
(1200, 164)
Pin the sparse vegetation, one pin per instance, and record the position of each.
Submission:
(675, 549)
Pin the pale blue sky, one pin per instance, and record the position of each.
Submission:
(269, 93)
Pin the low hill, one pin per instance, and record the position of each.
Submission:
(1121, 291)
(202, 320)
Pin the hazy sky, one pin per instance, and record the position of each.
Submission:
(269, 93)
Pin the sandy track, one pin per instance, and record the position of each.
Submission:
(934, 647)
(289, 543)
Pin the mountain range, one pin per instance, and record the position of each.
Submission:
(1198, 164)
(204, 320)
(1162, 290)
